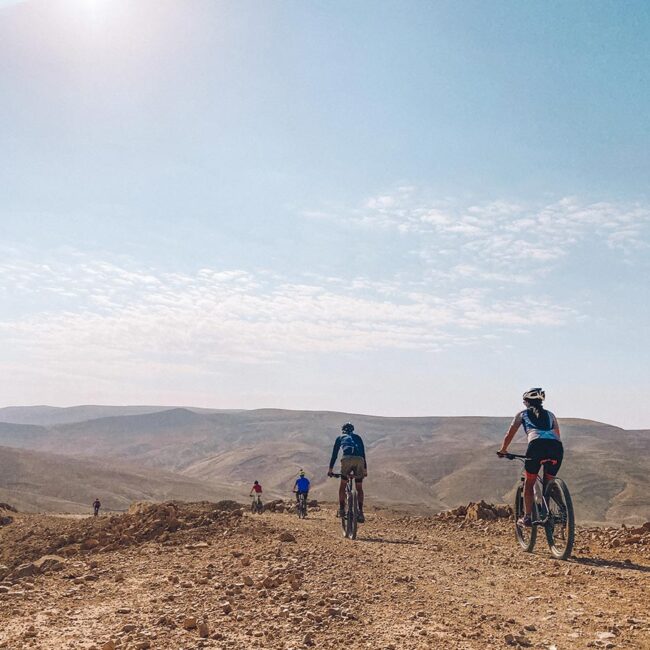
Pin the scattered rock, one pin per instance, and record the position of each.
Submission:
(49, 563)
(204, 630)
(189, 623)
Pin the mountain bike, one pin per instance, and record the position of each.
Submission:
(552, 510)
(301, 505)
(256, 505)
(349, 520)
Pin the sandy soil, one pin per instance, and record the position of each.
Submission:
(406, 583)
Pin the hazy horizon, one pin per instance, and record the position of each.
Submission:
(418, 207)
(333, 410)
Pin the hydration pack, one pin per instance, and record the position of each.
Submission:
(349, 445)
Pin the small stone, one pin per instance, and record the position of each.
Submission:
(204, 630)
(287, 537)
(189, 622)
(89, 544)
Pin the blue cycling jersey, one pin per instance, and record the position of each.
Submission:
(535, 430)
(302, 484)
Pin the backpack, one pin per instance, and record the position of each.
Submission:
(349, 445)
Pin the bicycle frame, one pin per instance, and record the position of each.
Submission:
(538, 490)
(349, 522)
(301, 503)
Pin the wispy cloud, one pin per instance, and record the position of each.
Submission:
(109, 315)
(493, 236)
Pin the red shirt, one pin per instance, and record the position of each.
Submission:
(257, 488)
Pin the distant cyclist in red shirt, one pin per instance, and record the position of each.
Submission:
(257, 489)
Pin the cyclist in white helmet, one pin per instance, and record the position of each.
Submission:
(543, 433)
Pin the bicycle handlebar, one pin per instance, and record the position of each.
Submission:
(512, 456)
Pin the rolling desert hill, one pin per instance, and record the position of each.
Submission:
(427, 463)
(37, 481)
(52, 415)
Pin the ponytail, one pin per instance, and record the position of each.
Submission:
(538, 414)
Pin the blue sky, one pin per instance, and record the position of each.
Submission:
(398, 208)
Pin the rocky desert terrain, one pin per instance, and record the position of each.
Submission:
(211, 575)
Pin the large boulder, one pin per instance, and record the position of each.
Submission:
(480, 511)
(49, 563)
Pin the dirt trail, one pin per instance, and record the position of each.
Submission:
(406, 583)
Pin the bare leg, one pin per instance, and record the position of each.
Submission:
(528, 494)
(342, 485)
(360, 494)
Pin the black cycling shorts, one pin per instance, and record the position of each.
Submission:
(541, 449)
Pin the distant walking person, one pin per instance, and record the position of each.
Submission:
(352, 460)
(96, 506)
(543, 433)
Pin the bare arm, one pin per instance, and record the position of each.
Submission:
(514, 427)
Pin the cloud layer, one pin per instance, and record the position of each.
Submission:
(111, 313)
(491, 239)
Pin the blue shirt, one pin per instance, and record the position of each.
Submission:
(302, 484)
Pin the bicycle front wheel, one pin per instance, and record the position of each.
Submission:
(526, 537)
(560, 527)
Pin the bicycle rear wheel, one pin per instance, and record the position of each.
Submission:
(344, 521)
(526, 537)
(353, 511)
(560, 527)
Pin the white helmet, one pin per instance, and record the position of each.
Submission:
(535, 393)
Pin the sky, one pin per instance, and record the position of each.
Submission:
(396, 208)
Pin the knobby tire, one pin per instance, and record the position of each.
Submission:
(560, 528)
(526, 537)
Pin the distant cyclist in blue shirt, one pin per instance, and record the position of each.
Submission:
(301, 486)
(353, 459)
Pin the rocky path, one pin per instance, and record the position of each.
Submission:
(273, 581)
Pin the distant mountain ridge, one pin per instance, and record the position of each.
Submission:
(423, 462)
